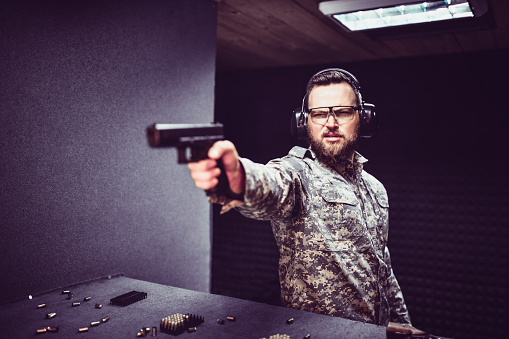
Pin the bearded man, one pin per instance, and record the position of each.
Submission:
(329, 216)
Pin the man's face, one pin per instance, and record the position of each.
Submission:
(331, 141)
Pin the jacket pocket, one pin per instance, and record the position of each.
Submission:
(337, 214)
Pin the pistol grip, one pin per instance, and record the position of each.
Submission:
(223, 187)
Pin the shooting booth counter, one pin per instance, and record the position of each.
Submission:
(141, 308)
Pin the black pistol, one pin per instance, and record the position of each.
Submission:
(193, 142)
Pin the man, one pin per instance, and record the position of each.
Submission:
(329, 217)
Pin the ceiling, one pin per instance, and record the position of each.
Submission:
(256, 34)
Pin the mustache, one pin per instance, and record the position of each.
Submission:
(335, 133)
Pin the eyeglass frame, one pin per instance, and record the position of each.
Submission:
(355, 108)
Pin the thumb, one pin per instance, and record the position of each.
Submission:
(226, 151)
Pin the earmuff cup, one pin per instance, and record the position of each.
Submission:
(298, 124)
(369, 120)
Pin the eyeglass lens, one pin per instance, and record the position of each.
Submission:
(341, 114)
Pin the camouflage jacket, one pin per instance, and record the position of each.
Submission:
(332, 236)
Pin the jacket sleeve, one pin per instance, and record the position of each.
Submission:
(398, 309)
(270, 190)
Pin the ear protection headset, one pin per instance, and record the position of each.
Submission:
(367, 115)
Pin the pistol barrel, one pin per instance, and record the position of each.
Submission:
(169, 135)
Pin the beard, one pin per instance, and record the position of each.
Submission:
(334, 153)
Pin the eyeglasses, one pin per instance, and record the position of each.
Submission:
(342, 114)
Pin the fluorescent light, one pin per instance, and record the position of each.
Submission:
(368, 14)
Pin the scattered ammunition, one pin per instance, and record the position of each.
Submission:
(66, 292)
(87, 298)
(308, 336)
(98, 306)
(95, 323)
(220, 321)
(139, 335)
(154, 331)
(83, 329)
(75, 304)
(41, 330)
(51, 329)
(290, 321)
(230, 318)
(144, 331)
(51, 315)
(191, 329)
(41, 305)
(105, 319)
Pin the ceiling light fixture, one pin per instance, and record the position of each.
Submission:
(358, 15)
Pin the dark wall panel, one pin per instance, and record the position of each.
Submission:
(441, 153)
(82, 193)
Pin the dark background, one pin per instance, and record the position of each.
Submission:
(83, 195)
(441, 152)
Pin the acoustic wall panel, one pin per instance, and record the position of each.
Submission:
(83, 195)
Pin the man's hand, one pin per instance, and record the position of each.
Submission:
(205, 173)
(404, 328)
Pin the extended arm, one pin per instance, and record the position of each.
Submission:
(267, 191)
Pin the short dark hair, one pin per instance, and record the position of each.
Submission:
(329, 77)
